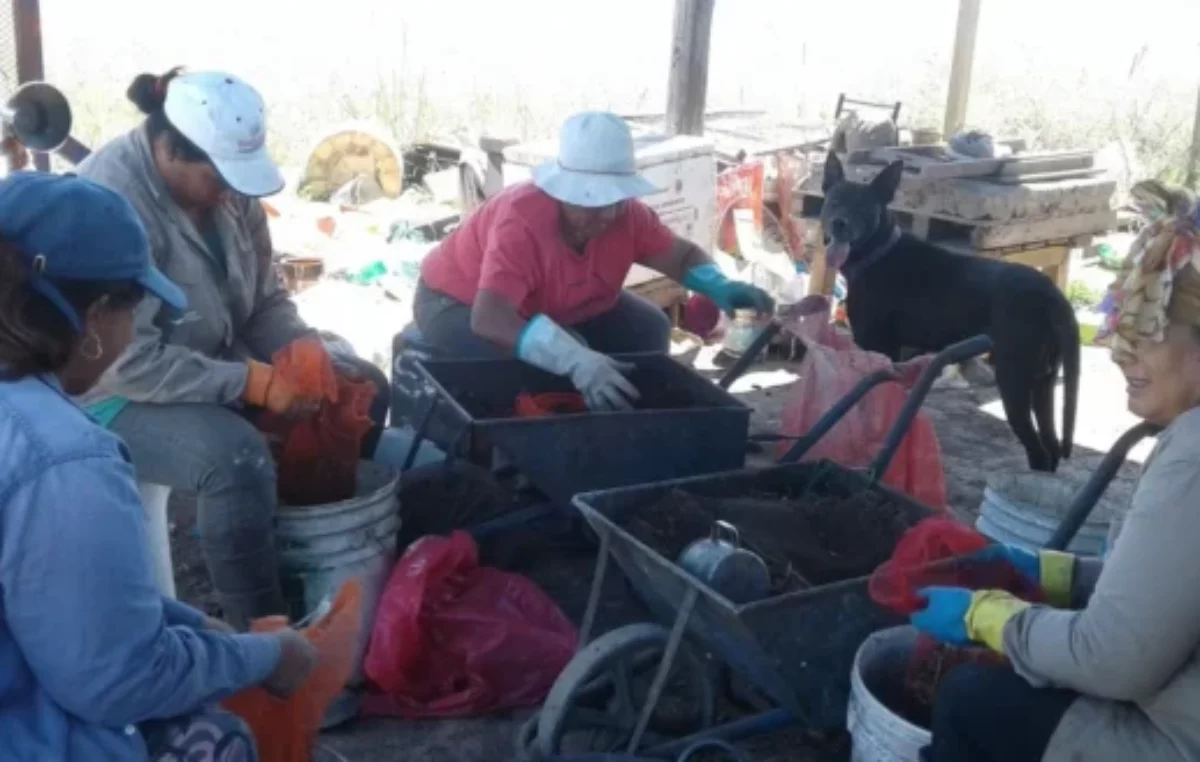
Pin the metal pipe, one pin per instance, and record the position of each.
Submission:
(835, 414)
(955, 353)
(760, 342)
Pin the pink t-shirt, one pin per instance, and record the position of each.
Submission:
(512, 246)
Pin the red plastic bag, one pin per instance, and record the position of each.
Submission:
(318, 456)
(937, 552)
(831, 367)
(284, 730)
(454, 639)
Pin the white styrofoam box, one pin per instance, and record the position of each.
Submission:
(683, 167)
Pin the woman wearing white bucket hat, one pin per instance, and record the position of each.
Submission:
(538, 269)
(179, 396)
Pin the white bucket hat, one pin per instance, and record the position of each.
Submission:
(225, 118)
(595, 165)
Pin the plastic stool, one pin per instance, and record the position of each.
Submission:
(154, 504)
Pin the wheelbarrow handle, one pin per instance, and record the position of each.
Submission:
(834, 414)
(955, 353)
(760, 342)
(1089, 494)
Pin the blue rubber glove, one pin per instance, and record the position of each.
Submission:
(945, 614)
(1026, 562)
(1051, 570)
(728, 294)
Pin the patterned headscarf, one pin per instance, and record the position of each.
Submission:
(1159, 281)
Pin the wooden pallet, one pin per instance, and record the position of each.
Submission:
(934, 162)
(946, 230)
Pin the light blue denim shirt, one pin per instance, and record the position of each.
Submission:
(88, 647)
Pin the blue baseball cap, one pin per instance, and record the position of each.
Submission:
(68, 228)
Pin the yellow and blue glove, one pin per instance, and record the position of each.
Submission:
(728, 294)
(1053, 571)
(960, 617)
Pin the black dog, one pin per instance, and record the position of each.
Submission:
(906, 293)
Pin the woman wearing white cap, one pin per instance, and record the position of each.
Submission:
(193, 172)
(538, 270)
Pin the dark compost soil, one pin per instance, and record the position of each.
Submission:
(805, 542)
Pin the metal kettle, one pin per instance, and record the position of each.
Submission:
(721, 562)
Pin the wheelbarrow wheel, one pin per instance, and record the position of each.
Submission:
(595, 703)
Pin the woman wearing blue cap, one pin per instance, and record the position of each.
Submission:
(94, 663)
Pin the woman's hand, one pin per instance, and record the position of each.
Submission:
(265, 387)
(945, 614)
(297, 660)
(959, 616)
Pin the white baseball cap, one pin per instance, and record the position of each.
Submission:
(596, 164)
(226, 118)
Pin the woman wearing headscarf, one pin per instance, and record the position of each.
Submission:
(184, 393)
(94, 664)
(1111, 671)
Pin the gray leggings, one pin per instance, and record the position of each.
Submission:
(633, 324)
(219, 455)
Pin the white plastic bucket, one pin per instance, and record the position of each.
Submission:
(322, 546)
(1024, 509)
(877, 734)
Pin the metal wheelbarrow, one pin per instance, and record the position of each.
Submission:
(793, 649)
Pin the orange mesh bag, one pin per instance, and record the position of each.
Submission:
(306, 365)
(831, 367)
(939, 552)
(318, 456)
(284, 730)
(551, 403)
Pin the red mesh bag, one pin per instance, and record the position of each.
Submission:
(938, 552)
(551, 403)
(926, 556)
(284, 730)
(317, 456)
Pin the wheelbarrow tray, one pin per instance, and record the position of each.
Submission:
(685, 425)
(796, 648)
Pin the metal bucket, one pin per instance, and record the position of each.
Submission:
(877, 734)
(1024, 509)
(322, 546)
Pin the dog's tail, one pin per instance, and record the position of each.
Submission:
(1066, 333)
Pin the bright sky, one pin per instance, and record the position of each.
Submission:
(766, 53)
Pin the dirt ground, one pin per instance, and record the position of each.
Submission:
(974, 442)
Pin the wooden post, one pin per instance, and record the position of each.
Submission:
(688, 84)
(1193, 166)
(960, 67)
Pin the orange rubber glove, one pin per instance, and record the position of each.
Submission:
(266, 388)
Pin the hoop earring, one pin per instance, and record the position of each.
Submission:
(87, 352)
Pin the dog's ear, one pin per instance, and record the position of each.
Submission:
(887, 181)
(834, 173)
